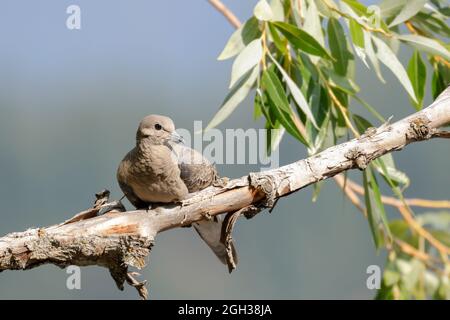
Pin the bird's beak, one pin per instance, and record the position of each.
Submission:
(175, 137)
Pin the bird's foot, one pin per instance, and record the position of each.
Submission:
(221, 182)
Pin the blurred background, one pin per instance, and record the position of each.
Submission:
(70, 102)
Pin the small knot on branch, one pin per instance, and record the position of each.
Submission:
(358, 157)
(265, 184)
(419, 130)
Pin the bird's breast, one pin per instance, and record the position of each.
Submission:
(155, 177)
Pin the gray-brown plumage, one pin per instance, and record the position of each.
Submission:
(161, 170)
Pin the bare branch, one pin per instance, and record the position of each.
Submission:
(442, 134)
(228, 14)
(117, 240)
(391, 201)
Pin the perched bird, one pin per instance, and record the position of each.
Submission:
(160, 169)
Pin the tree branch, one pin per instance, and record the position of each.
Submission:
(117, 240)
(228, 14)
(442, 134)
(351, 186)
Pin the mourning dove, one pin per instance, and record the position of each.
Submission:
(160, 169)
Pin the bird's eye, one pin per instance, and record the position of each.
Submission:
(158, 126)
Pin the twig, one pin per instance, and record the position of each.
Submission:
(227, 13)
(349, 193)
(405, 212)
(405, 247)
(343, 110)
(415, 30)
(442, 134)
(140, 286)
(413, 202)
(410, 250)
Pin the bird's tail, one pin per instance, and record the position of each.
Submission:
(210, 231)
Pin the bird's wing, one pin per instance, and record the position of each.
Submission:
(196, 171)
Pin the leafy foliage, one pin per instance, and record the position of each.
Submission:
(299, 56)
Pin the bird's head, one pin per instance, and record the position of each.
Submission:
(157, 130)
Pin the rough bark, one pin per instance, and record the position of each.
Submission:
(117, 240)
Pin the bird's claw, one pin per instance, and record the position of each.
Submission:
(221, 182)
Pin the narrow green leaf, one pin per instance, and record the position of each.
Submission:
(394, 186)
(356, 6)
(436, 87)
(410, 9)
(275, 90)
(274, 136)
(390, 173)
(281, 107)
(417, 73)
(235, 97)
(317, 188)
(262, 100)
(371, 54)
(312, 23)
(246, 60)
(390, 60)
(280, 44)
(302, 40)
(277, 10)
(324, 8)
(263, 11)
(319, 141)
(369, 108)
(296, 93)
(375, 208)
(246, 33)
(357, 33)
(371, 214)
(433, 22)
(390, 8)
(369, 16)
(342, 83)
(338, 46)
(428, 45)
(257, 107)
(380, 206)
(318, 100)
(361, 123)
